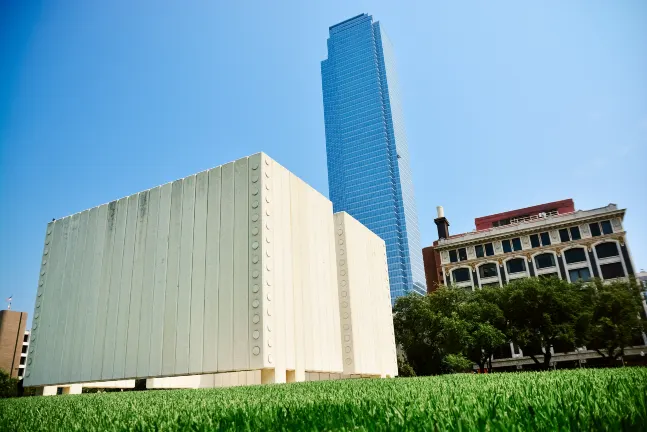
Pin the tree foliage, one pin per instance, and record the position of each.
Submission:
(617, 318)
(440, 332)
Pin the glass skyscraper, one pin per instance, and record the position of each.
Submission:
(368, 161)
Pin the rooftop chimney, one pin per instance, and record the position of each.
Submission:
(442, 223)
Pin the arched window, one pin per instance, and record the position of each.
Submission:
(516, 265)
(607, 250)
(488, 270)
(575, 255)
(544, 260)
(461, 275)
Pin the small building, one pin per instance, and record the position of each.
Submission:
(551, 239)
(14, 342)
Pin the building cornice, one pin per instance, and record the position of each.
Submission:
(535, 227)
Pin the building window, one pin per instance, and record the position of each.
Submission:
(575, 233)
(545, 239)
(452, 256)
(20, 372)
(484, 250)
(595, 229)
(545, 260)
(22, 360)
(516, 265)
(612, 270)
(516, 244)
(568, 234)
(606, 250)
(461, 275)
(548, 275)
(606, 227)
(26, 337)
(24, 349)
(575, 255)
(488, 270)
(510, 245)
(501, 222)
(582, 274)
(462, 254)
(542, 239)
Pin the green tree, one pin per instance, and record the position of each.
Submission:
(541, 313)
(485, 326)
(428, 328)
(615, 318)
(8, 385)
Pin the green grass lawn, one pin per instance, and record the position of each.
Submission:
(585, 399)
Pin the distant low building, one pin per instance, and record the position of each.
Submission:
(14, 342)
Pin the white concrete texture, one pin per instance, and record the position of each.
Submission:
(231, 272)
(368, 341)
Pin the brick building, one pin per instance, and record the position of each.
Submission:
(13, 342)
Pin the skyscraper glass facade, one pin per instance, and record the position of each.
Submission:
(368, 161)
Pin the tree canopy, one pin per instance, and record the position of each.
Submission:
(451, 328)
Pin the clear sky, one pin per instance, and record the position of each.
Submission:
(507, 104)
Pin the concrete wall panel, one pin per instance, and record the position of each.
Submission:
(232, 271)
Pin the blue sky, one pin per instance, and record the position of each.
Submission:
(507, 104)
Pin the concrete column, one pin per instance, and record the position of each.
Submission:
(73, 389)
(627, 258)
(475, 279)
(47, 391)
(531, 267)
(502, 274)
(562, 268)
(594, 264)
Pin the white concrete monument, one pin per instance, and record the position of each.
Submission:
(236, 274)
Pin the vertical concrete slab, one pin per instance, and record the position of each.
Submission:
(125, 288)
(93, 287)
(212, 273)
(147, 290)
(172, 279)
(104, 291)
(186, 267)
(159, 291)
(255, 278)
(76, 357)
(58, 336)
(241, 336)
(226, 272)
(268, 282)
(71, 355)
(198, 273)
(300, 333)
(33, 372)
(117, 260)
(136, 287)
